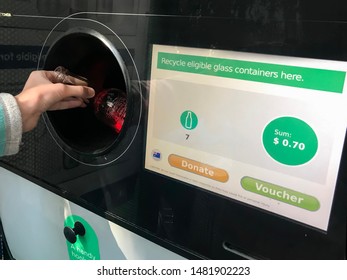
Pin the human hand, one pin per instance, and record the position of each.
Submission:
(43, 91)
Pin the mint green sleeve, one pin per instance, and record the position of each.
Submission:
(10, 125)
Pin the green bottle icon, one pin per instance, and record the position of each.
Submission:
(189, 120)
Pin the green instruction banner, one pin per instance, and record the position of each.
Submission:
(294, 76)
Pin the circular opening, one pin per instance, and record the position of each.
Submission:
(89, 56)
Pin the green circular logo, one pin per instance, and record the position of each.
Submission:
(86, 246)
(290, 141)
(189, 120)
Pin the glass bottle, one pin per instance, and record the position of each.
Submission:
(109, 106)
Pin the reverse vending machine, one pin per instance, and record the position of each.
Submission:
(217, 131)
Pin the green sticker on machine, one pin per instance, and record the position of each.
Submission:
(85, 247)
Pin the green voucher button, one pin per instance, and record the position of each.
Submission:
(280, 193)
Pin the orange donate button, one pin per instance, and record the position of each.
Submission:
(199, 168)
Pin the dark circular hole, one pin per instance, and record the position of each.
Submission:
(86, 55)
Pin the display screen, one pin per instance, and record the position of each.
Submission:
(264, 130)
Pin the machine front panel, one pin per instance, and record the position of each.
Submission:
(230, 141)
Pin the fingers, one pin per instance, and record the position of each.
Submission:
(69, 86)
(60, 75)
(63, 91)
(68, 104)
(83, 92)
(60, 96)
(73, 96)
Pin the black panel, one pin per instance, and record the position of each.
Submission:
(75, 156)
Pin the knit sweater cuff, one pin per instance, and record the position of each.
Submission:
(13, 124)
